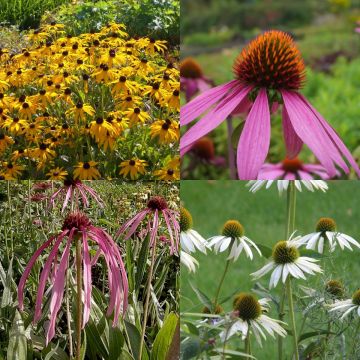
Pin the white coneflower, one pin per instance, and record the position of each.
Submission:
(190, 262)
(233, 235)
(326, 232)
(283, 185)
(190, 239)
(286, 260)
(347, 306)
(250, 318)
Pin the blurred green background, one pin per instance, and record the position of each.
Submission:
(263, 215)
(325, 34)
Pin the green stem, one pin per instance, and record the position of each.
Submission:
(290, 226)
(292, 317)
(79, 300)
(68, 315)
(355, 342)
(220, 284)
(147, 300)
(248, 344)
(10, 218)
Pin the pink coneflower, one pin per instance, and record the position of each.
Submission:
(192, 78)
(269, 72)
(77, 229)
(204, 150)
(292, 169)
(156, 206)
(73, 191)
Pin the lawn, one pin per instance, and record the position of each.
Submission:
(263, 215)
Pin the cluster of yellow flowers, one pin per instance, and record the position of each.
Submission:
(94, 106)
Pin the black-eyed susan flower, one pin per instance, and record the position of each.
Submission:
(136, 115)
(5, 142)
(57, 173)
(80, 110)
(86, 171)
(11, 171)
(166, 131)
(168, 173)
(133, 167)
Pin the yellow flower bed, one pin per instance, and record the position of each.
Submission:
(100, 105)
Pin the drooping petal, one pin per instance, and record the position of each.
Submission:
(45, 274)
(57, 292)
(27, 271)
(203, 102)
(214, 117)
(87, 280)
(67, 197)
(133, 223)
(292, 142)
(254, 141)
(310, 131)
(334, 137)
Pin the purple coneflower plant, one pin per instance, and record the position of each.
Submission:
(77, 230)
(156, 207)
(192, 78)
(72, 191)
(269, 72)
(292, 169)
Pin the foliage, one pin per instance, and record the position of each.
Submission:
(26, 13)
(26, 222)
(156, 18)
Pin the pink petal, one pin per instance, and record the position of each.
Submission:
(154, 228)
(292, 141)
(214, 117)
(67, 197)
(57, 292)
(290, 176)
(203, 102)
(334, 137)
(271, 174)
(255, 139)
(45, 274)
(27, 271)
(303, 175)
(310, 131)
(87, 280)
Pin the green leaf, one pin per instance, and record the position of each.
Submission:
(190, 349)
(17, 348)
(7, 298)
(83, 347)
(314, 333)
(233, 352)
(201, 296)
(165, 343)
(116, 343)
(95, 339)
(141, 262)
(192, 328)
(135, 338)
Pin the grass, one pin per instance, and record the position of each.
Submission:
(263, 215)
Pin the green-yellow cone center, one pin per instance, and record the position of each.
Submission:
(283, 253)
(356, 297)
(233, 229)
(247, 306)
(325, 224)
(186, 220)
(335, 288)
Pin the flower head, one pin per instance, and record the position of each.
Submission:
(292, 169)
(326, 234)
(287, 261)
(249, 314)
(190, 239)
(233, 235)
(345, 307)
(77, 227)
(156, 209)
(72, 191)
(268, 72)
